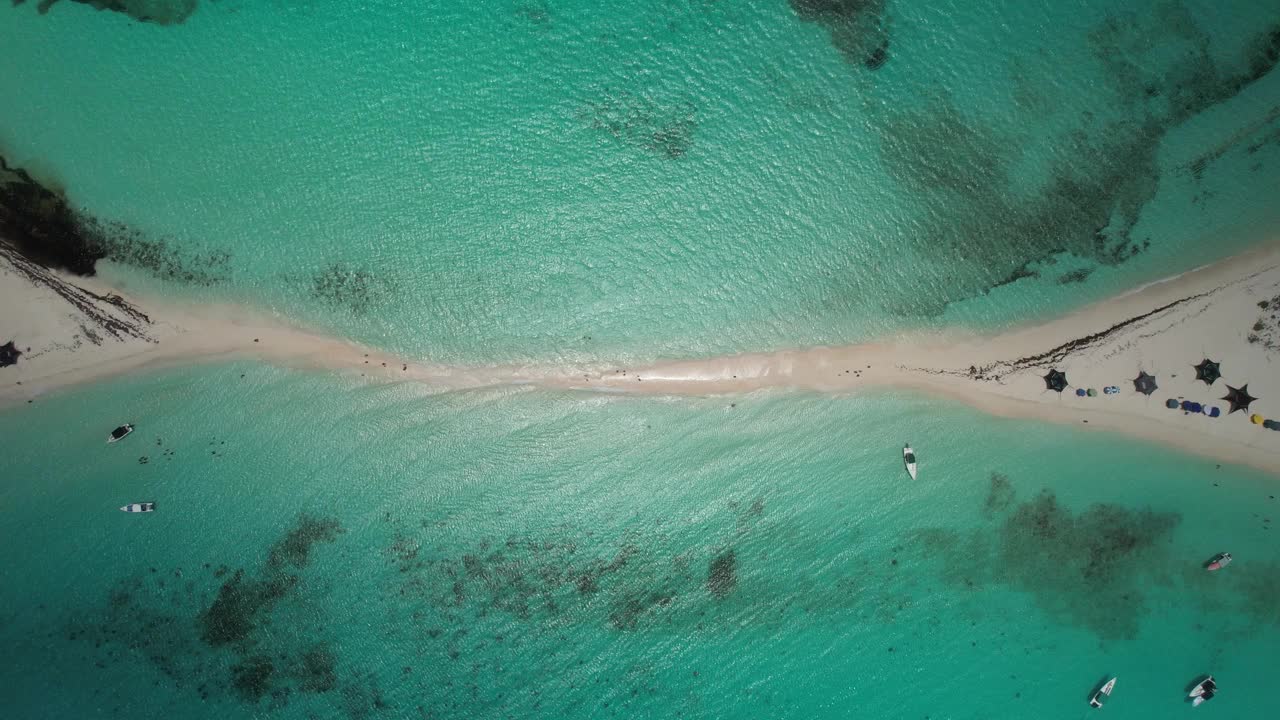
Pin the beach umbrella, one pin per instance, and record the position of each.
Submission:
(1145, 383)
(1079, 392)
(1207, 371)
(9, 354)
(1214, 412)
(1239, 398)
(1056, 380)
(1255, 419)
(1171, 404)
(1091, 392)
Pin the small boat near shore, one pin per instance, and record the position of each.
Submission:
(1218, 562)
(138, 507)
(909, 459)
(1104, 691)
(1203, 691)
(119, 433)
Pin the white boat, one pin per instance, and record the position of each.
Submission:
(138, 507)
(119, 433)
(1219, 561)
(909, 459)
(1105, 690)
(1204, 690)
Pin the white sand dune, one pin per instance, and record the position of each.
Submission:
(1163, 328)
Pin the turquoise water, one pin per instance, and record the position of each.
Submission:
(550, 181)
(542, 180)
(390, 553)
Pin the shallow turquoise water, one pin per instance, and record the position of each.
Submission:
(510, 552)
(568, 180)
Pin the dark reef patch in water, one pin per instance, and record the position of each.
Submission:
(231, 618)
(662, 127)
(43, 227)
(1091, 568)
(159, 12)
(342, 286)
(643, 583)
(858, 28)
(1000, 495)
(1078, 275)
(237, 641)
(251, 677)
(722, 574)
(242, 601)
(967, 176)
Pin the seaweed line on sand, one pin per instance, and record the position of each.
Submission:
(112, 313)
(998, 370)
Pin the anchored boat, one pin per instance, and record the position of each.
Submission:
(1104, 691)
(1219, 561)
(1203, 691)
(138, 507)
(119, 433)
(909, 459)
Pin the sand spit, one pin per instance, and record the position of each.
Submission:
(73, 330)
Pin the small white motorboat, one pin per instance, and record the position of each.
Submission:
(1219, 561)
(119, 433)
(1204, 690)
(909, 459)
(1104, 691)
(138, 507)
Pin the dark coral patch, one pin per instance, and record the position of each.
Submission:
(252, 677)
(242, 643)
(45, 229)
(722, 574)
(159, 12)
(340, 285)
(1091, 568)
(980, 212)
(858, 28)
(294, 548)
(662, 127)
(1000, 495)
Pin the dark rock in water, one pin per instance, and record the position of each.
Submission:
(40, 230)
(42, 226)
(722, 575)
(159, 12)
(9, 354)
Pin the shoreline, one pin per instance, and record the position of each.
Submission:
(1162, 327)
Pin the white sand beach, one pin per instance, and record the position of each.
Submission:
(1163, 328)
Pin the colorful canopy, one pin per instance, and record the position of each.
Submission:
(1207, 371)
(1171, 403)
(1056, 380)
(1239, 398)
(1145, 383)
